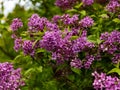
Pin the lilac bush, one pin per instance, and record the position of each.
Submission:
(73, 45)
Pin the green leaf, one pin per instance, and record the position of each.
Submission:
(83, 13)
(92, 38)
(39, 69)
(40, 50)
(71, 77)
(29, 71)
(75, 70)
(104, 16)
(115, 70)
(116, 20)
(50, 85)
(99, 41)
(71, 10)
(79, 5)
(74, 37)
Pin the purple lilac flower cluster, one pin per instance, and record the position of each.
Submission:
(67, 20)
(16, 24)
(113, 5)
(111, 44)
(25, 45)
(76, 63)
(63, 48)
(52, 26)
(28, 48)
(87, 2)
(60, 47)
(36, 23)
(68, 4)
(102, 81)
(73, 22)
(51, 40)
(17, 44)
(86, 22)
(81, 44)
(65, 4)
(89, 61)
(10, 79)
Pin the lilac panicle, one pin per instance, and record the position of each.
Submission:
(36, 23)
(102, 81)
(112, 6)
(56, 18)
(86, 22)
(51, 26)
(87, 2)
(89, 60)
(65, 4)
(68, 20)
(51, 40)
(104, 36)
(16, 24)
(116, 58)
(10, 78)
(76, 63)
(17, 44)
(81, 43)
(111, 42)
(28, 48)
(64, 52)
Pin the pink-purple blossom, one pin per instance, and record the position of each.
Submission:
(10, 78)
(16, 24)
(107, 82)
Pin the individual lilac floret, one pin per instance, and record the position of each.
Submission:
(28, 48)
(17, 44)
(65, 4)
(10, 78)
(51, 40)
(87, 2)
(89, 60)
(102, 81)
(76, 63)
(36, 23)
(86, 22)
(16, 24)
(113, 5)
